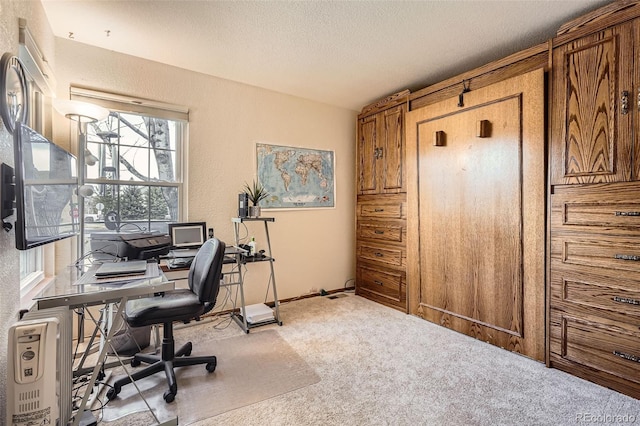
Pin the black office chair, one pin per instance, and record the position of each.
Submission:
(177, 305)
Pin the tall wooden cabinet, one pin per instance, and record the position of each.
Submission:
(381, 203)
(594, 292)
(476, 225)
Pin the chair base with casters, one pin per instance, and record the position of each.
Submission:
(167, 361)
(177, 305)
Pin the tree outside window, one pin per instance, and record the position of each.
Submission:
(132, 166)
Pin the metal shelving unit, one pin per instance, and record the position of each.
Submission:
(240, 317)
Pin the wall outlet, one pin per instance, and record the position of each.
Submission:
(313, 290)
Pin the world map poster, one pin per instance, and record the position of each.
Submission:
(296, 177)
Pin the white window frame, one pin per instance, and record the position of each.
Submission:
(36, 264)
(146, 107)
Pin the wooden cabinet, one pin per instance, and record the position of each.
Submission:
(596, 106)
(594, 247)
(381, 148)
(477, 216)
(595, 283)
(381, 255)
(381, 230)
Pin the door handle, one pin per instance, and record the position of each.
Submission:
(624, 102)
(626, 300)
(631, 257)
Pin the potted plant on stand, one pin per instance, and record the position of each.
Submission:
(256, 193)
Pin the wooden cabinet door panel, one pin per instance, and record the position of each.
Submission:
(392, 151)
(366, 155)
(471, 222)
(592, 129)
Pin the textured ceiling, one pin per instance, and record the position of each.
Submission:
(343, 53)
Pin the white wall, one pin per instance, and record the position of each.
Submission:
(313, 248)
(10, 11)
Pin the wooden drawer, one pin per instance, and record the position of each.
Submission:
(598, 251)
(390, 232)
(382, 283)
(581, 286)
(607, 346)
(614, 209)
(382, 207)
(387, 255)
(380, 211)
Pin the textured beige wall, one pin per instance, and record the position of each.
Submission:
(314, 248)
(10, 11)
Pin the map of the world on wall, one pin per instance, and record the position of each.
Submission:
(296, 177)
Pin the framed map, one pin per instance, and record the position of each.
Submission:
(296, 177)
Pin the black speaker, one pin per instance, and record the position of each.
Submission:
(243, 205)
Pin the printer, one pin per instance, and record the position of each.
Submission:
(108, 245)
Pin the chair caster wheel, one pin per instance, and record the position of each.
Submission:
(168, 396)
(135, 362)
(211, 366)
(189, 349)
(114, 391)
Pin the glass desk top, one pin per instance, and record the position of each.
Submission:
(64, 291)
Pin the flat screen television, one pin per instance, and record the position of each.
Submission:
(46, 181)
(187, 235)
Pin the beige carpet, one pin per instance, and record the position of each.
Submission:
(380, 367)
(251, 368)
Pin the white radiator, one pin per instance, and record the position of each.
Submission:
(31, 373)
(61, 355)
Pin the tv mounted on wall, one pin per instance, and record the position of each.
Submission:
(46, 182)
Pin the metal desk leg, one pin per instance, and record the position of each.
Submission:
(276, 304)
(244, 325)
(98, 367)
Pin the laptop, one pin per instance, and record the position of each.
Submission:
(117, 269)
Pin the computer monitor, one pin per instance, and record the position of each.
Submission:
(188, 235)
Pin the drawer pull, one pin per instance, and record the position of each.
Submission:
(378, 232)
(378, 282)
(629, 357)
(626, 300)
(379, 254)
(632, 257)
(378, 210)
(627, 213)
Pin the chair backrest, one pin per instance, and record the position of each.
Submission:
(206, 271)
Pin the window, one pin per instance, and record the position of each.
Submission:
(132, 162)
(34, 262)
(31, 269)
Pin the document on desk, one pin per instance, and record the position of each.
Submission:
(90, 277)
